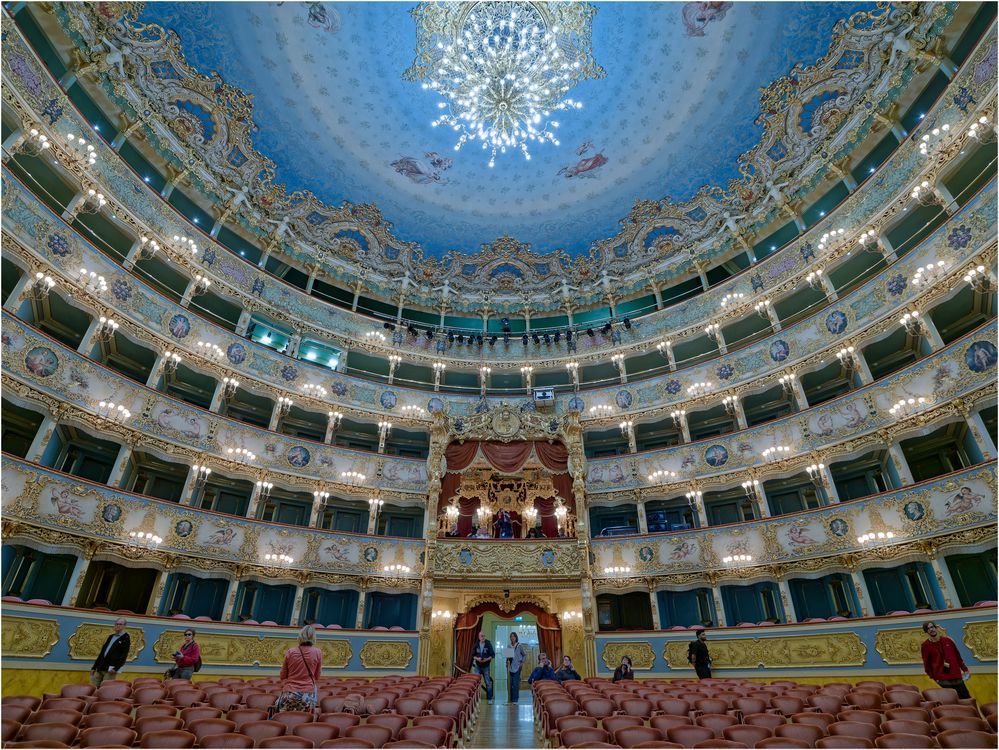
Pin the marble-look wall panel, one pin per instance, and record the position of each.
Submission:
(875, 645)
(39, 94)
(48, 499)
(64, 374)
(963, 500)
(965, 366)
(961, 238)
(61, 637)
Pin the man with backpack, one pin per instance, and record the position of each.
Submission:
(698, 656)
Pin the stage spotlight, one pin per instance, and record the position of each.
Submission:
(429, 333)
(537, 338)
(506, 338)
(607, 328)
(505, 322)
(492, 340)
(478, 339)
(558, 336)
(461, 338)
(450, 337)
(523, 339)
(627, 323)
(589, 332)
(568, 335)
(388, 326)
(412, 330)
(548, 339)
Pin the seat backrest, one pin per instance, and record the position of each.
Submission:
(55, 716)
(804, 732)
(260, 700)
(316, 732)
(746, 734)
(664, 722)
(782, 742)
(903, 697)
(395, 722)
(632, 736)
(261, 730)
(967, 723)
(242, 715)
(787, 704)
(104, 736)
(10, 729)
(674, 706)
(826, 702)
(194, 713)
(901, 739)
(711, 705)
(716, 722)
(906, 726)
(718, 744)
(410, 706)
(106, 719)
(341, 721)
(854, 729)
(637, 707)
(30, 702)
(938, 712)
(579, 735)
(15, 713)
(204, 727)
(153, 709)
(864, 699)
(55, 731)
(918, 714)
(751, 705)
(373, 733)
(688, 736)
(843, 740)
(76, 690)
(100, 706)
(293, 718)
(434, 736)
(771, 721)
(966, 739)
(168, 738)
(355, 742)
(941, 695)
(598, 707)
(157, 724)
(144, 695)
(185, 697)
(289, 740)
(224, 699)
(817, 718)
(111, 690)
(227, 740)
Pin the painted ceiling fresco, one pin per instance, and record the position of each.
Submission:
(675, 110)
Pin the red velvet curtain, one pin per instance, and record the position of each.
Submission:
(550, 636)
(553, 456)
(507, 457)
(466, 634)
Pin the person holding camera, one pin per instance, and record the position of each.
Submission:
(187, 659)
(624, 671)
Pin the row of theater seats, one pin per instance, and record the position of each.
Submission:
(389, 712)
(732, 713)
(199, 618)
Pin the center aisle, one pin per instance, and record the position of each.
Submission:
(506, 725)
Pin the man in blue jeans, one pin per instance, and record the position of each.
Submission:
(482, 659)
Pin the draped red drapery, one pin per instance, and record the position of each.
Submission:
(508, 458)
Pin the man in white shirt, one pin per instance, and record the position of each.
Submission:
(112, 655)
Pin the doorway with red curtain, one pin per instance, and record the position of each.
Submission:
(469, 624)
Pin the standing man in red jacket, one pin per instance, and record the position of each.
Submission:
(942, 661)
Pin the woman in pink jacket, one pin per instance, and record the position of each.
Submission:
(188, 658)
(299, 674)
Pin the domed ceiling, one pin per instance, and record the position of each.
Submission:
(674, 110)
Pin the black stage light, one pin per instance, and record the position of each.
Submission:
(548, 339)
(568, 335)
(461, 338)
(558, 336)
(388, 326)
(492, 340)
(450, 337)
(523, 339)
(506, 338)
(589, 332)
(429, 333)
(627, 323)
(536, 337)
(412, 330)
(607, 328)
(505, 322)
(478, 339)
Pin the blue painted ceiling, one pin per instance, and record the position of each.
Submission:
(675, 111)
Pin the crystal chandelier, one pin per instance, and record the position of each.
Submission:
(503, 69)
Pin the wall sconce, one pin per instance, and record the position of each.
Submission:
(847, 357)
(91, 282)
(36, 143)
(928, 275)
(570, 615)
(978, 279)
(375, 336)
(827, 239)
(201, 285)
(732, 298)
(868, 240)
(284, 405)
(278, 560)
(413, 410)
(763, 308)
(730, 559)
(80, 151)
(334, 418)
(211, 352)
(925, 194)
(439, 368)
(617, 570)
(484, 378)
(530, 516)
(816, 472)
(601, 410)
(352, 477)
(912, 323)
(627, 428)
(441, 614)
(699, 389)
(40, 287)
(663, 347)
(452, 512)
(113, 412)
(730, 403)
(752, 489)
(712, 330)
(107, 329)
(932, 140)
(814, 279)
(678, 416)
(776, 452)
(662, 476)
(527, 373)
(242, 455)
(146, 539)
(320, 498)
(184, 246)
(264, 489)
(787, 383)
(315, 391)
(573, 368)
(201, 474)
(694, 499)
(982, 130)
(148, 248)
(905, 407)
(873, 538)
(229, 386)
(395, 569)
(170, 361)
